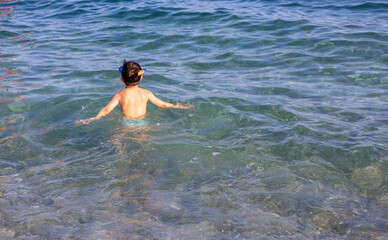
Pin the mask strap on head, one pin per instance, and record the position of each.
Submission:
(139, 73)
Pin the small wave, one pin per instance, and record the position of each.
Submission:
(270, 26)
(369, 6)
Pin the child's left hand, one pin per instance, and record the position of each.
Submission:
(80, 122)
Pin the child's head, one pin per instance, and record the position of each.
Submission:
(131, 73)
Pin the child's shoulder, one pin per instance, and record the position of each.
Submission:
(145, 91)
(139, 91)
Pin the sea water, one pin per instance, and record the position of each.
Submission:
(287, 139)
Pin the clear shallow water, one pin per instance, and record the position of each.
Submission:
(288, 138)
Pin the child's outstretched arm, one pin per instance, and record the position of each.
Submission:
(103, 112)
(163, 104)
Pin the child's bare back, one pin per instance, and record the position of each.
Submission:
(132, 99)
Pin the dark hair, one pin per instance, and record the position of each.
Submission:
(129, 73)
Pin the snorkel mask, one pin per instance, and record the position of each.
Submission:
(121, 69)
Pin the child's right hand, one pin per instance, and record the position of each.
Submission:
(184, 106)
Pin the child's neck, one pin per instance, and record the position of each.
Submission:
(131, 87)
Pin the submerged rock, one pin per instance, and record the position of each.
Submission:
(327, 221)
(368, 180)
(218, 132)
(382, 204)
(4, 203)
(280, 204)
(6, 171)
(2, 192)
(3, 128)
(73, 216)
(18, 106)
(7, 233)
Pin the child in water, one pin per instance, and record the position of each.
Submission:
(133, 100)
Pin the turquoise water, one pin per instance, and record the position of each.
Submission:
(287, 140)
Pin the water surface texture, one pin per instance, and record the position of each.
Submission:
(287, 140)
